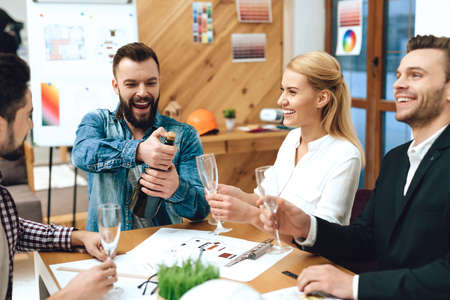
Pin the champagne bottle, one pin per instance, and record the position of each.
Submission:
(138, 200)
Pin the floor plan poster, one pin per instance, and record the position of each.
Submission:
(254, 11)
(50, 104)
(64, 42)
(71, 51)
(202, 27)
(110, 39)
(350, 37)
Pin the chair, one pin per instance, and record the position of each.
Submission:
(362, 196)
(18, 178)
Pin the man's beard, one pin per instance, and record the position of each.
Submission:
(422, 116)
(127, 111)
(16, 153)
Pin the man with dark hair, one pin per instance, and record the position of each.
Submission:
(122, 148)
(406, 224)
(17, 234)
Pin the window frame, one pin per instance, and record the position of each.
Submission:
(374, 104)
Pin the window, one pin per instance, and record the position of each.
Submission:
(387, 27)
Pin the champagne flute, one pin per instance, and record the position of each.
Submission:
(268, 185)
(207, 170)
(109, 221)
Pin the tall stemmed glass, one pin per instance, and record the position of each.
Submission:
(207, 170)
(109, 221)
(268, 186)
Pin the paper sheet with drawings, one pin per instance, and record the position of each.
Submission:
(291, 293)
(125, 264)
(169, 245)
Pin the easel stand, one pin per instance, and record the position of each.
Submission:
(49, 196)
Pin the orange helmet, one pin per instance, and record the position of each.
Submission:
(203, 121)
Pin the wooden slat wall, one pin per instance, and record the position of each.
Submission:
(199, 75)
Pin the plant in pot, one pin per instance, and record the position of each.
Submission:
(230, 118)
(174, 281)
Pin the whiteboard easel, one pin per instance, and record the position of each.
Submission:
(71, 47)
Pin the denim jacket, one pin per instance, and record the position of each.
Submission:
(104, 147)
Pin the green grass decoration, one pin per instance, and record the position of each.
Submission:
(175, 280)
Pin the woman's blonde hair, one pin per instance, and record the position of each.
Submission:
(324, 73)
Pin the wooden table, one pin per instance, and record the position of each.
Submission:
(243, 142)
(270, 280)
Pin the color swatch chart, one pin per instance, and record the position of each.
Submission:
(349, 27)
(248, 47)
(202, 22)
(349, 13)
(50, 104)
(254, 11)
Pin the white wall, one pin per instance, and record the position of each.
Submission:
(432, 17)
(304, 27)
(15, 8)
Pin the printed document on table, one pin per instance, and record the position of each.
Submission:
(291, 293)
(170, 246)
(125, 265)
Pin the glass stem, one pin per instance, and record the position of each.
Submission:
(219, 224)
(277, 235)
(277, 238)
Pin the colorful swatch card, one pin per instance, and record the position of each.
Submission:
(349, 39)
(254, 11)
(50, 104)
(202, 27)
(248, 47)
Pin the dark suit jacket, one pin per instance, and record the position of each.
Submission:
(409, 235)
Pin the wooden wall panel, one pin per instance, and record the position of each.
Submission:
(239, 153)
(199, 75)
(238, 169)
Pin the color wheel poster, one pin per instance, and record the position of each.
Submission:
(349, 37)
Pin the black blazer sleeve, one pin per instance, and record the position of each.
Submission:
(408, 234)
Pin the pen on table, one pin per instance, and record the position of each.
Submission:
(312, 294)
(290, 274)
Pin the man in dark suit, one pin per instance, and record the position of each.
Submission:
(406, 224)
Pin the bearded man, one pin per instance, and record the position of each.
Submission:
(20, 235)
(122, 148)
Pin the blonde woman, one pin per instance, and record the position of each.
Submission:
(318, 165)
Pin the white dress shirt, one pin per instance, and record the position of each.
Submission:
(415, 154)
(324, 181)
